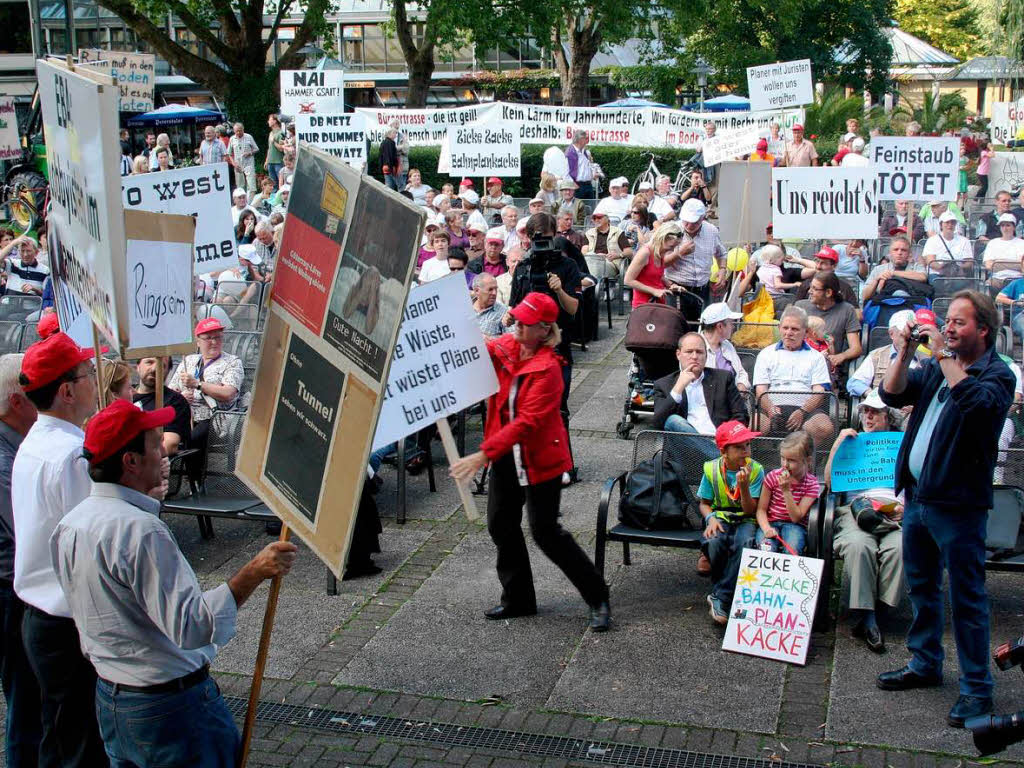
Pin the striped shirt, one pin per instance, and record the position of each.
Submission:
(21, 277)
(694, 269)
(777, 512)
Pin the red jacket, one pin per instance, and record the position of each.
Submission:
(537, 427)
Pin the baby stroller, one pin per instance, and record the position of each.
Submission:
(652, 333)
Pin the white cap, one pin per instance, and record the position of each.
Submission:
(947, 216)
(693, 211)
(476, 226)
(619, 181)
(239, 192)
(285, 188)
(872, 400)
(470, 196)
(900, 319)
(645, 185)
(716, 313)
(248, 252)
(1007, 218)
(849, 136)
(538, 199)
(857, 145)
(495, 233)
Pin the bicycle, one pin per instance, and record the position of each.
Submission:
(650, 175)
(17, 211)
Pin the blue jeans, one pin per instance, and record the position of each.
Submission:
(21, 690)
(704, 446)
(273, 169)
(933, 538)
(1018, 325)
(794, 534)
(378, 456)
(191, 727)
(724, 551)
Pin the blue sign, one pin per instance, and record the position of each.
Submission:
(866, 461)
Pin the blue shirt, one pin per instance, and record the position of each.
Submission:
(1015, 291)
(706, 492)
(919, 452)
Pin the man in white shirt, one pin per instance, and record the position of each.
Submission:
(616, 205)
(946, 246)
(239, 202)
(471, 205)
(657, 206)
(49, 478)
(793, 366)
(1003, 255)
(509, 220)
(436, 266)
(855, 157)
(26, 275)
(242, 151)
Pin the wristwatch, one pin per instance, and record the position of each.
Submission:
(943, 354)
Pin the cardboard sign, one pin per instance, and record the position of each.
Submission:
(916, 168)
(135, 74)
(837, 203)
(1006, 171)
(747, 186)
(312, 91)
(73, 318)
(159, 270)
(773, 608)
(343, 136)
(10, 141)
(780, 85)
(422, 127)
(1007, 117)
(201, 191)
(866, 461)
(730, 144)
(86, 222)
(441, 364)
(484, 150)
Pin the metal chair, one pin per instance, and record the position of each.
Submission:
(879, 337)
(11, 336)
(15, 307)
(244, 345)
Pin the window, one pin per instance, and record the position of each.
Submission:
(373, 48)
(15, 28)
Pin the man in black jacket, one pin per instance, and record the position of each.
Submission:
(697, 399)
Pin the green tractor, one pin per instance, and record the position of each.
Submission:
(26, 189)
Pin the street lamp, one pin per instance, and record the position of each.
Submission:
(701, 70)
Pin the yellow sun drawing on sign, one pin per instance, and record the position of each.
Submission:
(747, 577)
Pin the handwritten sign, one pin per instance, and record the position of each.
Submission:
(312, 91)
(773, 607)
(916, 168)
(135, 74)
(441, 364)
(484, 150)
(780, 85)
(730, 144)
(839, 203)
(343, 136)
(866, 461)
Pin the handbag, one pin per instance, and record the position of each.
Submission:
(869, 516)
(654, 326)
(655, 497)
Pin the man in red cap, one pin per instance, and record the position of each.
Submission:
(825, 260)
(495, 199)
(49, 479)
(761, 154)
(800, 153)
(146, 625)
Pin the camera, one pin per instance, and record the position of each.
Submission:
(994, 733)
(538, 259)
(916, 337)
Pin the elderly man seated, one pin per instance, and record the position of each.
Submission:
(616, 206)
(489, 311)
(606, 247)
(493, 259)
(569, 202)
(790, 380)
(841, 321)
(869, 374)
(899, 266)
(896, 223)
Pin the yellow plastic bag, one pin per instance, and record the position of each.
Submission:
(759, 327)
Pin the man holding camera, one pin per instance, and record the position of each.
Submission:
(946, 464)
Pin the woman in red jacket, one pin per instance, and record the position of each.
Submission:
(528, 448)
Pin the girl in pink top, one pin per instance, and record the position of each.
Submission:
(787, 496)
(985, 155)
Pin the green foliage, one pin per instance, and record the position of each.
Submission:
(948, 112)
(1010, 40)
(510, 81)
(248, 102)
(952, 26)
(616, 161)
(828, 116)
(658, 80)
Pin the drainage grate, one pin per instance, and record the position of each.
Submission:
(447, 734)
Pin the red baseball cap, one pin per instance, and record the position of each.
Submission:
(48, 359)
(48, 325)
(114, 427)
(733, 433)
(208, 324)
(536, 308)
(828, 254)
(465, 183)
(798, 127)
(762, 145)
(925, 316)
(494, 180)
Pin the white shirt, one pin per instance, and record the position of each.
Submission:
(432, 269)
(511, 239)
(1004, 251)
(786, 370)
(854, 159)
(21, 277)
(660, 207)
(50, 478)
(696, 406)
(614, 209)
(959, 247)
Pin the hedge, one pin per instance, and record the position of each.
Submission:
(615, 161)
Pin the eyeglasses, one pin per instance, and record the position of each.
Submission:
(211, 337)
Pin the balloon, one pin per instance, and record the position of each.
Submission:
(736, 260)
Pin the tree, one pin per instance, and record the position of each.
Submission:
(952, 26)
(232, 31)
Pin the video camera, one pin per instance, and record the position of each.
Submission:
(994, 733)
(538, 262)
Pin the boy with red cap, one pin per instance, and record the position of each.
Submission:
(146, 625)
(728, 493)
(49, 478)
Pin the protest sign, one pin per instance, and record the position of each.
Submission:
(10, 141)
(201, 191)
(749, 185)
(441, 364)
(80, 126)
(422, 127)
(780, 85)
(159, 271)
(730, 144)
(135, 74)
(483, 150)
(916, 168)
(1007, 118)
(1005, 171)
(773, 607)
(342, 136)
(312, 91)
(837, 203)
(866, 461)
(74, 319)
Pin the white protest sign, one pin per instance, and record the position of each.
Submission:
(80, 125)
(484, 150)
(343, 136)
(10, 141)
(440, 365)
(780, 85)
(160, 294)
(73, 318)
(838, 203)
(135, 74)
(773, 607)
(916, 167)
(730, 144)
(1007, 117)
(422, 127)
(1006, 172)
(201, 191)
(311, 91)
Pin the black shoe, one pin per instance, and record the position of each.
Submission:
(872, 637)
(967, 707)
(601, 617)
(273, 529)
(357, 570)
(905, 679)
(507, 612)
(416, 464)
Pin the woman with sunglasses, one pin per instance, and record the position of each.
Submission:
(646, 272)
(527, 446)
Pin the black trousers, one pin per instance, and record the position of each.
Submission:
(21, 691)
(505, 501)
(67, 683)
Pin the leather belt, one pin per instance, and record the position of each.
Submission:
(171, 686)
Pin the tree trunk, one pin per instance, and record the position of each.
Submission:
(576, 82)
(421, 69)
(574, 71)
